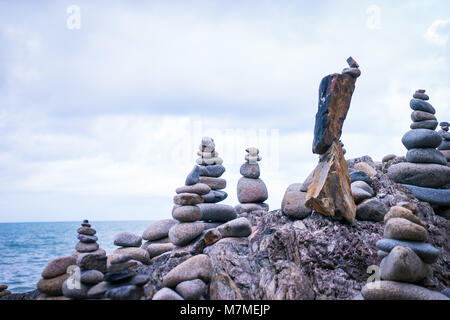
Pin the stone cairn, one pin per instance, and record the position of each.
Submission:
(444, 147)
(425, 171)
(210, 169)
(407, 258)
(186, 210)
(157, 236)
(89, 267)
(3, 291)
(251, 190)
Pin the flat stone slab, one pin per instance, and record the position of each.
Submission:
(439, 197)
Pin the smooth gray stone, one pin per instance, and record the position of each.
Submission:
(86, 247)
(91, 276)
(251, 171)
(192, 289)
(87, 231)
(186, 213)
(359, 175)
(371, 210)
(251, 190)
(445, 145)
(127, 239)
(427, 124)
(183, 233)
(418, 116)
(140, 279)
(214, 196)
(402, 264)
(119, 276)
(217, 212)
(156, 249)
(425, 156)
(239, 227)
(198, 188)
(211, 225)
(98, 290)
(167, 294)
(421, 96)
(421, 105)
(439, 197)
(214, 171)
(87, 239)
(421, 138)
(394, 290)
(193, 177)
(129, 292)
(159, 229)
(71, 290)
(425, 251)
(429, 175)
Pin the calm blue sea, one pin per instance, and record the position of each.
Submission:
(25, 248)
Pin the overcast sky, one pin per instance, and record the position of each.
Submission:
(103, 121)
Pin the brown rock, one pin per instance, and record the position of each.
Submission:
(197, 267)
(53, 286)
(58, 267)
(401, 212)
(214, 183)
(329, 192)
(293, 204)
(185, 199)
(402, 229)
(364, 166)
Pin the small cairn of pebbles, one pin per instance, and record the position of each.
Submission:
(209, 170)
(444, 147)
(187, 281)
(407, 258)
(91, 263)
(251, 190)
(186, 210)
(3, 291)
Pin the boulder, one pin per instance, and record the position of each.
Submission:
(183, 233)
(293, 204)
(58, 267)
(197, 267)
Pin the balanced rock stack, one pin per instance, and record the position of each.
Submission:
(426, 168)
(251, 190)
(187, 281)
(407, 258)
(186, 210)
(3, 291)
(53, 277)
(209, 171)
(157, 236)
(328, 190)
(444, 147)
(91, 263)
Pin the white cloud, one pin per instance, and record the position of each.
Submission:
(437, 32)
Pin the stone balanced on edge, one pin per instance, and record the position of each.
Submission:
(329, 190)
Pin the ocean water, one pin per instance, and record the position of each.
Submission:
(26, 248)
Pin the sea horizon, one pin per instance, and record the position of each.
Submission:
(27, 247)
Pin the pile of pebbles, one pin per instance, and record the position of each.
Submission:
(91, 263)
(407, 258)
(251, 190)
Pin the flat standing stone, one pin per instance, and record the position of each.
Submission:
(335, 93)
